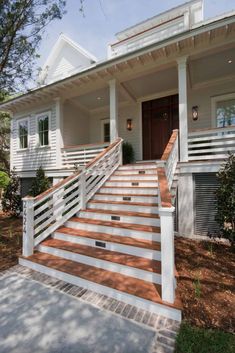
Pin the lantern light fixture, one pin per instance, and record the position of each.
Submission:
(195, 112)
(129, 125)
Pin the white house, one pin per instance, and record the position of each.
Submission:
(168, 88)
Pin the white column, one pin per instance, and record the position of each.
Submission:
(183, 110)
(167, 253)
(59, 131)
(28, 226)
(113, 110)
(186, 205)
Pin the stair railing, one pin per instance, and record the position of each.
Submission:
(43, 214)
(166, 170)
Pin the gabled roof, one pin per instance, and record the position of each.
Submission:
(62, 41)
(59, 44)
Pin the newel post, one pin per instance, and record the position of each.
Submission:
(83, 190)
(167, 253)
(28, 226)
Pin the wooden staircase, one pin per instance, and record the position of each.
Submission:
(113, 246)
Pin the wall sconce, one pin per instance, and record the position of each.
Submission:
(195, 112)
(129, 125)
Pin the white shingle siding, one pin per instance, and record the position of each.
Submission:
(34, 157)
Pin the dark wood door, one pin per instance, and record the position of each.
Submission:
(159, 118)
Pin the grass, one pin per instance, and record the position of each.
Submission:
(192, 339)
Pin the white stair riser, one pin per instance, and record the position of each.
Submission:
(113, 230)
(152, 184)
(125, 249)
(144, 304)
(130, 191)
(136, 172)
(137, 167)
(144, 199)
(123, 219)
(105, 265)
(133, 177)
(116, 207)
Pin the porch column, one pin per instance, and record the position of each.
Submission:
(183, 110)
(113, 110)
(59, 130)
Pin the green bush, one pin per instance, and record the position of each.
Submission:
(4, 180)
(128, 153)
(40, 184)
(11, 202)
(197, 340)
(225, 197)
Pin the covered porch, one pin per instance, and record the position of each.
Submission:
(194, 94)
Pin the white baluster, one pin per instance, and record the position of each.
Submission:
(28, 226)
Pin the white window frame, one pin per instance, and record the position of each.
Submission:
(103, 122)
(18, 134)
(49, 129)
(214, 101)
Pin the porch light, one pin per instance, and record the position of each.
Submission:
(230, 61)
(129, 125)
(195, 112)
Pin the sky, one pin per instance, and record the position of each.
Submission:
(103, 18)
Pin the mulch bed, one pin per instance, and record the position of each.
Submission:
(206, 283)
(10, 240)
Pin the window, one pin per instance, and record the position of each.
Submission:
(225, 113)
(105, 124)
(43, 129)
(23, 134)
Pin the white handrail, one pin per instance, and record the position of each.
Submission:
(211, 144)
(43, 214)
(170, 157)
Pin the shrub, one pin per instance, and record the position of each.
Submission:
(40, 184)
(128, 153)
(225, 199)
(11, 202)
(4, 180)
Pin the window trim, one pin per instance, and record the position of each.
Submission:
(214, 101)
(49, 129)
(18, 134)
(103, 122)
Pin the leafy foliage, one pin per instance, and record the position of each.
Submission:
(194, 340)
(22, 25)
(225, 196)
(128, 153)
(4, 180)
(11, 202)
(4, 141)
(40, 184)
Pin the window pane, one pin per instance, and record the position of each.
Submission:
(225, 113)
(43, 130)
(23, 134)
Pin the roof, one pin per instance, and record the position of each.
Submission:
(222, 20)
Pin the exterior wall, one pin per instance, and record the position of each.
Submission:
(130, 111)
(75, 125)
(34, 156)
(202, 97)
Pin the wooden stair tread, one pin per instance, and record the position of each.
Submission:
(126, 195)
(138, 227)
(122, 213)
(140, 243)
(106, 255)
(129, 203)
(128, 187)
(133, 181)
(134, 174)
(123, 283)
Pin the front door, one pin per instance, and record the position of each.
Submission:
(159, 118)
